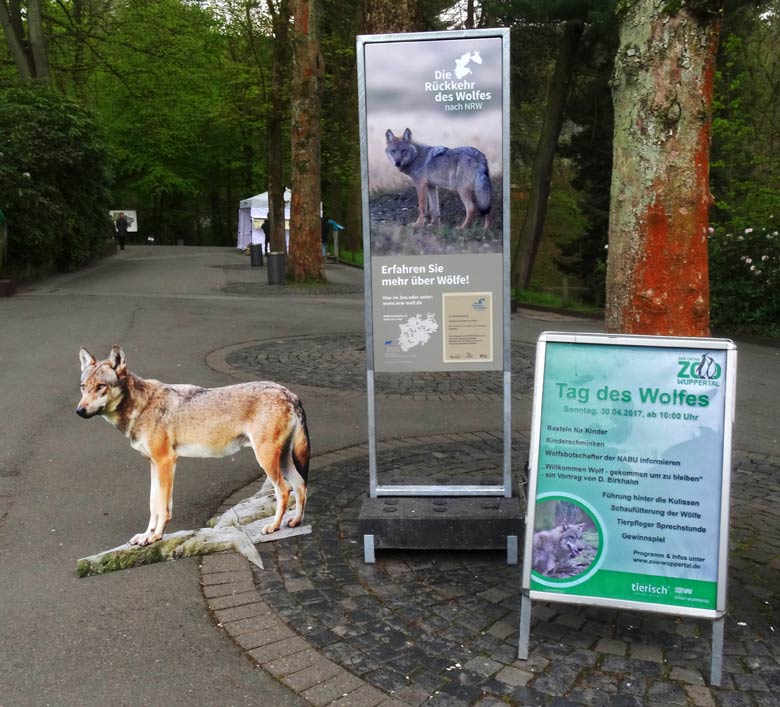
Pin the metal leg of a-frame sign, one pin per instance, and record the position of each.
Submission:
(716, 666)
(525, 626)
(511, 549)
(369, 556)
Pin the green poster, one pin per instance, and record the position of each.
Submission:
(631, 440)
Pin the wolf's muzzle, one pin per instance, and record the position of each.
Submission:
(82, 412)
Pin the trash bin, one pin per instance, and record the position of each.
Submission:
(256, 254)
(276, 268)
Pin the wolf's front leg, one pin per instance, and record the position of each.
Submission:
(160, 500)
(433, 205)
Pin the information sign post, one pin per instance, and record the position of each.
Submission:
(434, 130)
(630, 473)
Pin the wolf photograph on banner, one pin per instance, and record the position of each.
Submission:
(434, 136)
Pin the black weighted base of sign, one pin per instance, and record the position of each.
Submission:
(440, 523)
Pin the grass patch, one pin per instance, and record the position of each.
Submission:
(554, 301)
(352, 256)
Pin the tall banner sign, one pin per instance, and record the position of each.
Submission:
(434, 138)
(434, 130)
(630, 472)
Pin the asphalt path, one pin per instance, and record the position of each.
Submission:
(71, 488)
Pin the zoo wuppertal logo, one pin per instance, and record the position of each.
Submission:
(701, 370)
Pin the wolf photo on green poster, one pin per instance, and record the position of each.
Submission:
(434, 137)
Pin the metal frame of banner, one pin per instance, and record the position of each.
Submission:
(377, 489)
(717, 615)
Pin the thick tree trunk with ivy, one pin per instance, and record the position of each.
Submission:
(305, 261)
(657, 275)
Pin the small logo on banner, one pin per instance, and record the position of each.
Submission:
(702, 368)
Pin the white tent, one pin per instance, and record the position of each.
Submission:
(251, 214)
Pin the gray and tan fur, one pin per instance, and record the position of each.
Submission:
(461, 169)
(164, 422)
(554, 548)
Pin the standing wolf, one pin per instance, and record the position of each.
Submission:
(553, 548)
(461, 169)
(164, 422)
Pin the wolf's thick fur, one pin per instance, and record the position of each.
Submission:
(164, 422)
(557, 545)
(462, 169)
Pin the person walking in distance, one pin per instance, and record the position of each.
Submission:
(121, 230)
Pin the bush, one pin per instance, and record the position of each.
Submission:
(745, 278)
(54, 180)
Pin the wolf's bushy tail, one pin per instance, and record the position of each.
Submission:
(483, 190)
(301, 444)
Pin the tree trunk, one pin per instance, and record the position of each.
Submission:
(305, 260)
(280, 72)
(533, 224)
(40, 54)
(657, 276)
(13, 30)
(386, 16)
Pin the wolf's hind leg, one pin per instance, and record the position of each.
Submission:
(467, 197)
(268, 457)
(295, 480)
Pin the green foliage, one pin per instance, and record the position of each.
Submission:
(182, 103)
(745, 279)
(589, 150)
(54, 179)
(745, 174)
(745, 164)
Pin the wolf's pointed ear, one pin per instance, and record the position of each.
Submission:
(86, 358)
(408, 135)
(117, 360)
(389, 136)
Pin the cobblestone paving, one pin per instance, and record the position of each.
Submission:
(441, 628)
(339, 361)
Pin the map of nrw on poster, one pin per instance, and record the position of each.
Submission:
(417, 331)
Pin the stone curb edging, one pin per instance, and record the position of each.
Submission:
(237, 607)
(258, 630)
(228, 586)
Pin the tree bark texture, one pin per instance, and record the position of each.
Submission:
(657, 275)
(305, 259)
(533, 223)
(388, 16)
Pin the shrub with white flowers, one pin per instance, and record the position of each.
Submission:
(745, 278)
